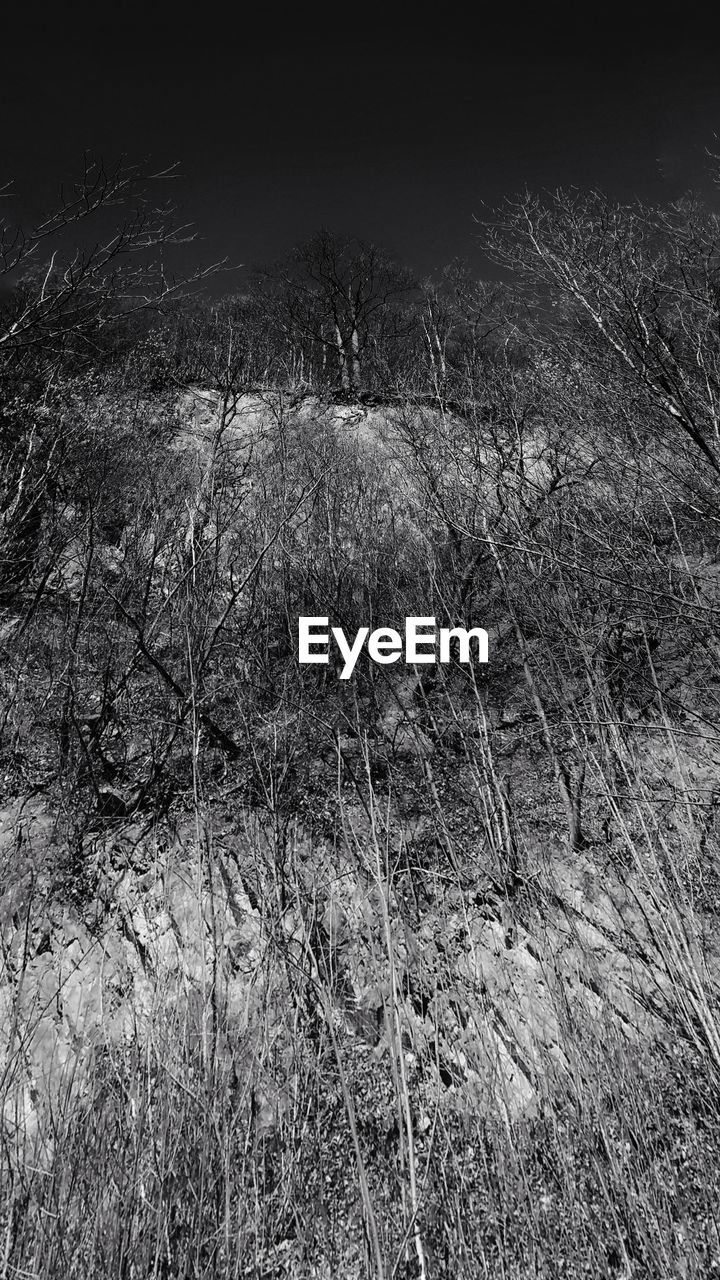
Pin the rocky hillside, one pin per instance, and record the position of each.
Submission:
(412, 974)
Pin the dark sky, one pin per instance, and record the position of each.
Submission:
(400, 133)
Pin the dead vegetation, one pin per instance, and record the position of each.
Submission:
(414, 974)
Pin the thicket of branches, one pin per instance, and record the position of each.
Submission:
(549, 461)
(542, 460)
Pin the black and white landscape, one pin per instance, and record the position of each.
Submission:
(360, 660)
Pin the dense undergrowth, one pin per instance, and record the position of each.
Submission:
(453, 1006)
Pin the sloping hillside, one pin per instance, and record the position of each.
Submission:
(409, 974)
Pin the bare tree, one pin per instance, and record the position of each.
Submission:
(63, 289)
(334, 292)
(61, 293)
(630, 291)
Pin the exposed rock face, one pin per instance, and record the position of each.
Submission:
(158, 936)
(486, 986)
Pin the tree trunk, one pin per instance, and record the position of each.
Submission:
(355, 348)
(342, 356)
